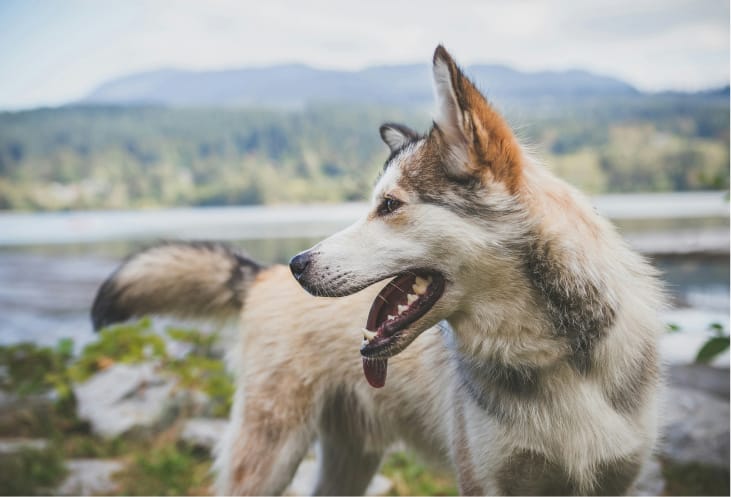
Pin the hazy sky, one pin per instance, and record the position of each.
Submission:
(52, 52)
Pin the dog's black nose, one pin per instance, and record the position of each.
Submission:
(299, 263)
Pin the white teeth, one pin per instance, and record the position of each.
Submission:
(421, 285)
(368, 335)
(402, 309)
(411, 298)
(391, 318)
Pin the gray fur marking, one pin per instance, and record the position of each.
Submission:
(638, 378)
(496, 387)
(530, 473)
(575, 306)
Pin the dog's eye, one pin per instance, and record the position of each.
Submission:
(388, 205)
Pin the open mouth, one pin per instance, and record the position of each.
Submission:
(404, 300)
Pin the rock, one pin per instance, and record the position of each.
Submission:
(701, 377)
(90, 477)
(194, 402)
(12, 445)
(651, 480)
(124, 397)
(203, 433)
(696, 428)
(306, 476)
(380, 485)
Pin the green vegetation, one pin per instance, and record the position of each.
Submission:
(41, 380)
(695, 479)
(199, 369)
(161, 464)
(29, 369)
(715, 345)
(411, 477)
(31, 471)
(116, 157)
(126, 343)
(138, 157)
(167, 470)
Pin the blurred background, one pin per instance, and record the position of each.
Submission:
(122, 123)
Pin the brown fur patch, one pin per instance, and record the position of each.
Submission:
(423, 172)
(493, 149)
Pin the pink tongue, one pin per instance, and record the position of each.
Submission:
(375, 371)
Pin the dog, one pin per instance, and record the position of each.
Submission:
(514, 343)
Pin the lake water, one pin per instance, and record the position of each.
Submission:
(52, 264)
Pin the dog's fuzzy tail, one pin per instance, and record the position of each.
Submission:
(182, 279)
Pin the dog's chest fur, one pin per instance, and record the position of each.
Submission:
(560, 440)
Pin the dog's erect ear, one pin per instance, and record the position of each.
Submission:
(450, 117)
(397, 136)
(474, 136)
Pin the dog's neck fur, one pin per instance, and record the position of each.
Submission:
(574, 287)
(527, 370)
(537, 269)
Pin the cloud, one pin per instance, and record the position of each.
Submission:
(56, 52)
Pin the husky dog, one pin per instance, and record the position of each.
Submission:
(515, 341)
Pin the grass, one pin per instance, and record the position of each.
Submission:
(31, 471)
(411, 477)
(694, 479)
(166, 470)
(42, 379)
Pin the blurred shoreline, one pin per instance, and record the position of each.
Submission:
(316, 220)
(53, 263)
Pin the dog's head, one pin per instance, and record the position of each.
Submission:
(441, 215)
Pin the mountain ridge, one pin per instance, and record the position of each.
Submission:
(296, 84)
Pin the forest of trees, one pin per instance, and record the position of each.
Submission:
(97, 157)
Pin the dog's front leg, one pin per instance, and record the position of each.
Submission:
(344, 469)
(461, 455)
(262, 448)
(348, 458)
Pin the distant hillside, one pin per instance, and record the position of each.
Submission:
(118, 156)
(287, 86)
